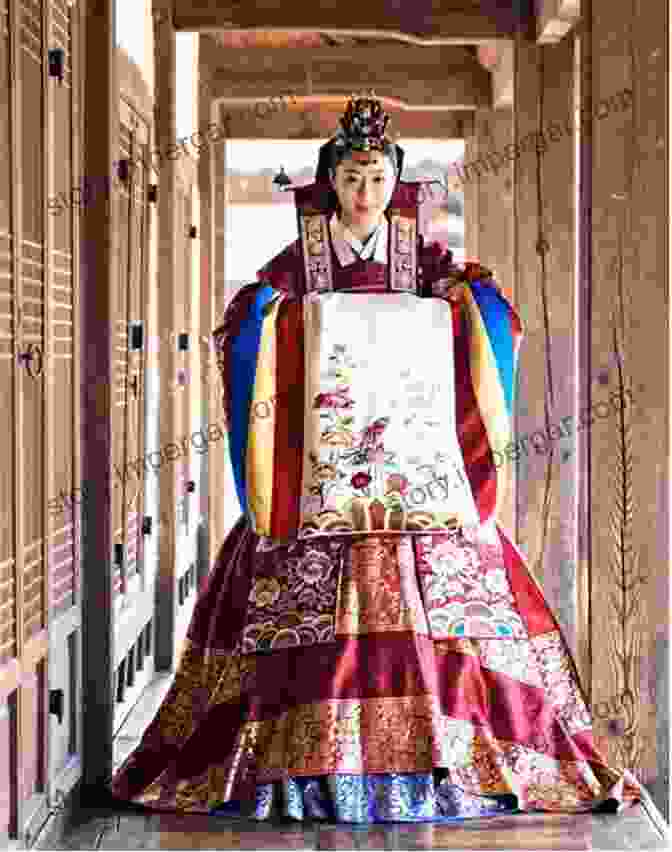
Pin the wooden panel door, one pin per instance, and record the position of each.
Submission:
(65, 504)
(38, 559)
(133, 588)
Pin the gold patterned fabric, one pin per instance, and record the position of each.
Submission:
(494, 719)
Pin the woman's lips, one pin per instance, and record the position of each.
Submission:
(360, 209)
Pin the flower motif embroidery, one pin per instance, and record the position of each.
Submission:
(496, 582)
(334, 399)
(360, 480)
(324, 472)
(314, 567)
(338, 438)
(265, 591)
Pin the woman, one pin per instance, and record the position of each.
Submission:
(370, 646)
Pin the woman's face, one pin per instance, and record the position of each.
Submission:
(364, 184)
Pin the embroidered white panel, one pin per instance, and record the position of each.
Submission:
(381, 449)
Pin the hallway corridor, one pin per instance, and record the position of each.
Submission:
(164, 160)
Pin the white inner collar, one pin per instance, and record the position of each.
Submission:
(349, 248)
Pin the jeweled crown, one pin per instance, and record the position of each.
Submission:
(363, 125)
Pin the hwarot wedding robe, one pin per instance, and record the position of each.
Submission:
(370, 645)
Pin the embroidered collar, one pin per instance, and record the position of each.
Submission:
(349, 249)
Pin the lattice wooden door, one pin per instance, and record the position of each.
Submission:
(39, 417)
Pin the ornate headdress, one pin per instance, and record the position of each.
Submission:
(362, 130)
(363, 125)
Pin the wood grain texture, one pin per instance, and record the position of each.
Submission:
(545, 279)
(630, 350)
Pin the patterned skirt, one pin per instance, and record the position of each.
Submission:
(404, 678)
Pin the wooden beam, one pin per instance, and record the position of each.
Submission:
(437, 59)
(313, 120)
(458, 94)
(497, 58)
(423, 78)
(466, 22)
(556, 18)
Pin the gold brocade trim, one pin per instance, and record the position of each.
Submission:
(378, 590)
(314, 233)
(201, 680)
(389, 735)
(369, 514)
(403, 251)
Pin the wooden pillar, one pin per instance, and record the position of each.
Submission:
(210, 394)
(628, 82)
(545, 453)
(98, 277)
(166, 132)
(220, 298)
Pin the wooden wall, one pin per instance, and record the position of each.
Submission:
(592, 510)
(629, 351)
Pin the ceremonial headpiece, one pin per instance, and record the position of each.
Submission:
(362, 126)
(362, 130)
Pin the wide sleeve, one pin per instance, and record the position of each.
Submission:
(487, 337)
(235, 313)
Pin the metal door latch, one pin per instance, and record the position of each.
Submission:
(56, 701)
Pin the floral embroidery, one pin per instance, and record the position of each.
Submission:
(265, 591)
(359, 478)
(466, 588)
(293, 597)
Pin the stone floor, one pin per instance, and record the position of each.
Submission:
(639, 827)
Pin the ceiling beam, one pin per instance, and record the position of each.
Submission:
(319, 121)
(467, 22)
(497, 58)
(421, 78)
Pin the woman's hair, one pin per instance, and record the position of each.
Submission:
(338, 154)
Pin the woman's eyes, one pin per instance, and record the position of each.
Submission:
(351, 180)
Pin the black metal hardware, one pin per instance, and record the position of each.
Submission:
(133, 385)
(135, 335)
(123, 170)
(56, 703)
(183, 341)
(147, 525)
(57, 63)
(193, 232)
(153, 193)
(32, 354)
(191, 486)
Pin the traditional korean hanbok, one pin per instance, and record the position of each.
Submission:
(370, 645)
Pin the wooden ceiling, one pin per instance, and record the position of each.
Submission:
(425, 58)
(453, 21)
